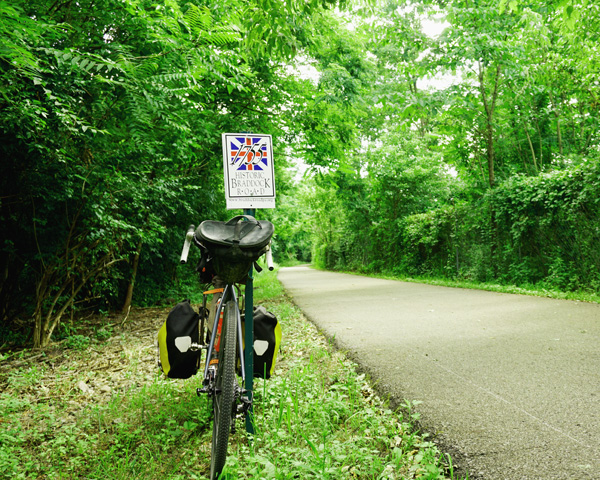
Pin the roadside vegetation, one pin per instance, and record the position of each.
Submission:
(95, 406)
(535, 290)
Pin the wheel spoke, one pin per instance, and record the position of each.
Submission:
(224, 397)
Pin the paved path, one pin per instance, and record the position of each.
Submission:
(510, 384)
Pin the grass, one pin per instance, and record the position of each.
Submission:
(105, 412)
(525, 289)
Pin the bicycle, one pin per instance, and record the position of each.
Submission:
(231, 249)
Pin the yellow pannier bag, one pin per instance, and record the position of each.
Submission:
(175, 338)
(267, 341)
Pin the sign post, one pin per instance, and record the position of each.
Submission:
(249, 184)
(249, 339)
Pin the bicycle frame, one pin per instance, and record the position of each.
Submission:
(228, 294)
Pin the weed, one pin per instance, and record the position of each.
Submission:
(24, 378)
(77, 342)
(104, 333)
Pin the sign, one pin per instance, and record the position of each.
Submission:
(249, 171)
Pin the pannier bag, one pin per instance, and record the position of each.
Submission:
(267, 341)
(205, 268)
(175, 337)
(234, 245)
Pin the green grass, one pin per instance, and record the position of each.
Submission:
(525, 289)
(533, 290)
(316, 418)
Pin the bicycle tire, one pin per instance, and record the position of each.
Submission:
(223, 399)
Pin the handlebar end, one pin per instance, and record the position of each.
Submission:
(186, 244)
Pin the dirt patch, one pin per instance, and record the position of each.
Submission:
(107, 355)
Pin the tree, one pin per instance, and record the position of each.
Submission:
(111, 121)
(523, 103)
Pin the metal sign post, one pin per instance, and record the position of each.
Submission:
(249, 339)
(249, 176)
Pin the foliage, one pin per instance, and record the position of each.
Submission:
(477, 180)
(548, 228)
(359, 216)
(111, 128)
(292, 240)
(539, 230)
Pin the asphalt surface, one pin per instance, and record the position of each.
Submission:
(509, 384)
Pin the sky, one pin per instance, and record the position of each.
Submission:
(433, 27)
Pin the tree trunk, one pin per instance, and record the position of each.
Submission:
(558, 129)
(558, 134)
(53, 303)
(531, 148)
(490, 155)
(541, 157)
(37, 331)
(41, 294)
(489, 105)
(134, 267)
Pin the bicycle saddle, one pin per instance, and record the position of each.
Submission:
(242, 230)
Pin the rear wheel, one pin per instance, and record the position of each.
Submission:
(223, 399)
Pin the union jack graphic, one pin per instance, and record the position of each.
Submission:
(249, 153)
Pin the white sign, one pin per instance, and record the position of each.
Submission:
(249, 171)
